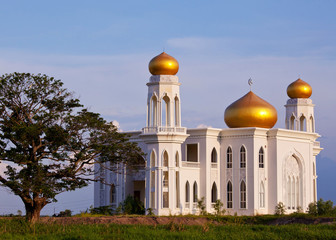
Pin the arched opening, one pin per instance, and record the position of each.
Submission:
(153, 112)
(229, 157)
(214, 156)
(195, 192)
(261, 158)
(242, 157)
(187, 194)
(293, 173)
(177, 160)
(242, 194)
(177, 176)
(312, 128)
(303, 126)
(177, 111)
(165, 159)
(262, 195)
(292, 123)
(229, 195)
(152, 159)
(214, 193)
(113, 196)
(165, 111)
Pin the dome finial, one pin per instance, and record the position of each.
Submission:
(250, 82)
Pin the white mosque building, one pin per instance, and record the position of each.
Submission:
(250, 166)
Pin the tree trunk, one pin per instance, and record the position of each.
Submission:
(33, 211)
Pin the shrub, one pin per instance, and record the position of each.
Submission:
(201, 206)
(312, 208)
(65, 213)
(104, 210)
(132, 206)
(325, 207)
(218, 207)
(280, 209)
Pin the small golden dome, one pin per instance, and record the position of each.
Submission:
(250, 111)
(299, 89)
(163, 64)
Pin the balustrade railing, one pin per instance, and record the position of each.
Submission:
(190, 164)
(164, 129)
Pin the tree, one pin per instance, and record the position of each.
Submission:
(280, 209)
(50, 143)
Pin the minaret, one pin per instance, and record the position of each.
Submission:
(300, 108)
(163, 136)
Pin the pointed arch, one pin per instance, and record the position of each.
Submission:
(214, 155)
(242, 194)
(177, 111)
(303, 123)
(153, 111)
(214, 193)
(152, 159)
(165, 108)
(292, 122)
(177, 159)
(261, 157)
(229, 195)
(195, 192)
(312, 125)
(165, 159)
(187, 192)
(262, 195)
(242, 157)
(229, 157)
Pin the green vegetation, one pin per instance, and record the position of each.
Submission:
(50, 141)
(20, 229)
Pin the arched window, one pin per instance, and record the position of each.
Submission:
(113, 195)
(177, 160)
(153, 112)
(261, 158)
(187, 192)
(242, 157)
(165, 111)
(242, 194)
(262, 195)
(289, 193)
(312, 124)
(229, 157)
(195, 196)
(292, 123)
(177, 112)
(165, 159)
(214, 155)
(214, 193)
(303, 123)
(152, 159)
(293, 173)
(229, 195)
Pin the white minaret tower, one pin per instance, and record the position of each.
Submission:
(163, 136)
(300, 108)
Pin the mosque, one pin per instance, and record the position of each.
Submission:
(249, 166)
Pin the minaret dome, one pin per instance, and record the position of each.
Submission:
(163, 64)
(299, 89)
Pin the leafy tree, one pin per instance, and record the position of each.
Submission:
(50, 143)
(325, 207)
(201, 206)
(218, 207)
(132, 206)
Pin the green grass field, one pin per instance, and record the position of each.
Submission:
(19, 229)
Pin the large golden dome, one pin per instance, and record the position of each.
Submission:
(163, 64)
(250, 111)
(299, 89)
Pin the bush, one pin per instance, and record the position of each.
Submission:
(312, 208)
(201, 206)
(325, 207)
(132, 206)
(65, 213)
(218, 207)
(280, 209)
(103, 210)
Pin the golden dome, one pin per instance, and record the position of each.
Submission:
(299, 89)
(250, 111)
(163, 64)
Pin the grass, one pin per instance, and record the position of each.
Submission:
(19, 229)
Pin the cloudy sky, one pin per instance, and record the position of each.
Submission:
(101, 49)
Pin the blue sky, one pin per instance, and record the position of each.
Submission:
(101, 49)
